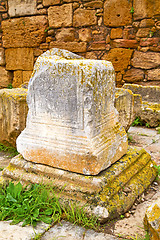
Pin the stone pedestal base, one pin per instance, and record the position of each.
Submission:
(107, 195)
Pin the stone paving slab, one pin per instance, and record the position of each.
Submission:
(69, 231)
(17, 232)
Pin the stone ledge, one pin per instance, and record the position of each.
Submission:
(107, 195)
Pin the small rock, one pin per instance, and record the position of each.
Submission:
(127, 215)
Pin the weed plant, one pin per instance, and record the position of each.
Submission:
(13, 151)
(35, 203)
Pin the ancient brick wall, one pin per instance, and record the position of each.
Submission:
(125, 32)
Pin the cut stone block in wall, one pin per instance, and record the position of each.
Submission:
(60, 16)
(117, 13)
(72, 122)
(124, 103)
(84, 17)
(24, 32)
(21, 7)
(145, 9)
(150, 110)
(19, 59)
(5, 77)
(2, 57)
(13, 113)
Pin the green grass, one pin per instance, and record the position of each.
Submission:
(35, 203)
(139, 122)
(9, 149)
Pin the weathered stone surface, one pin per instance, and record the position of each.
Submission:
(72, 131)
(133, 75)
(143, 32)
(19, 58)
(26, 76)
(24, 32)
(21, 7)
(12, 232)
(60, 16)
(144, 42)
(147, 23)
(104, 195)
(152, 220)
(84, 17)
(13, 113)
(91, 55)
(154, 74)
(94, 4)
(145, 8)
(116, 33)
(126, 43)
(17, 78)
(124, 103)
(5, 77)
(145, 60)
(101, 45)
(85, 34)
(148, 93)
(50, 2)
(120, 58)
(2, 58)
(72, 231)
(65, 35)
(150, 109)
(121, 12)
(70, 46)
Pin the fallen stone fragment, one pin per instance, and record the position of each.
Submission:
(152, 220)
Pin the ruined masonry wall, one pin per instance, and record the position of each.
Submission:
(125, 32)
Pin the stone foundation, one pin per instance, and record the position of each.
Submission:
(107, 195)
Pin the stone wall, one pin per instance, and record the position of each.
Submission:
(125, 32)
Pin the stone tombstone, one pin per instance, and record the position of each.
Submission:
(72, 123)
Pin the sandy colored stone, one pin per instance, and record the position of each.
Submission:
(24, 32)
(65, 35)
(117, 13)
(2, 57)
(94, 4)
(133, 75)
(60, 109)
(116, 33)
(143, 32)
(26, 76)
(124, 103)
(146, 23)
(145, 9)
(21, 7)
(146, 60)
(70, 46)
(50, 2)
(154, 74)
(19, 58)
(91, 55)
(145, 42)
(13, 113)
(100, 45)
(5, 77)
(120, 58)
(152, 220)
(60, 16)
(17, 78)
(84, 17)
(85, 34)
(126, 43)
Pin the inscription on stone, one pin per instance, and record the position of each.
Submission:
(72, 123)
